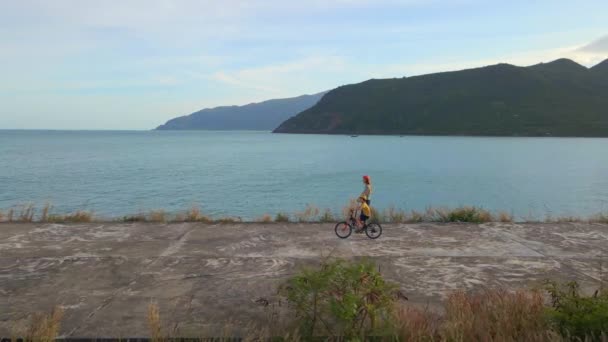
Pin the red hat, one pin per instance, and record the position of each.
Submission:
(366, 178)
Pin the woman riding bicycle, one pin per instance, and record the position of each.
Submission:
(367, 192)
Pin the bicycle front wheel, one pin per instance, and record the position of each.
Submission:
(373, 230)
(343, 230)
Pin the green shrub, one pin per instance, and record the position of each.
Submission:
(80, 216)
(462, 214)
(281, 217)
(134, 218)
(341, 299)
(576, 315)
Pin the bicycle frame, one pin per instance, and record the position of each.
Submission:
(354, 221)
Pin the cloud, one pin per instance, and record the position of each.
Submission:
(280, 78)
(597, 46)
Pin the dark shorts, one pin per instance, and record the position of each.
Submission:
(363, 217)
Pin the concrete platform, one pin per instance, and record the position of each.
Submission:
(205, 277)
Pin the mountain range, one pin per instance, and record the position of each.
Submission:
(560, 98)
(265, 115)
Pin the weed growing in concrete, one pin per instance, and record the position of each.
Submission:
(226, 220)
(141, 217)
(309, 214)
(26, 213)
(469, 214)
(75, 217)
(264, 219)
(599, 218)
(394, 215)
(327, 216)
(504, 217)
(44, 216)
(154, 323)
(194, 214)
(157, 216)
(43, 327)
(281, 217)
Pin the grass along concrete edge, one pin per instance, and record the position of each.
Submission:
(28, 213)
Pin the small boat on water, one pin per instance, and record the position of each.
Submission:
(354, 136)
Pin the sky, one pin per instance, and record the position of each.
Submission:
(134, 64)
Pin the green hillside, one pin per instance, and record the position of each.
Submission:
(561, 98)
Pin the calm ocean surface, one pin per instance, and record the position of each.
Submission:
(248, 174)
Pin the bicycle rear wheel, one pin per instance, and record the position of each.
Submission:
(373, 230)
(343, 230)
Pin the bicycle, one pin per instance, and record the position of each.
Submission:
(345, 228)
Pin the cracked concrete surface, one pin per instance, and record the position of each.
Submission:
(206, 276)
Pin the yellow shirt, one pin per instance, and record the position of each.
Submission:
(366, 210)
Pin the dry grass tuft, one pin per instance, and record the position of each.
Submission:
(157, 216)
(599, 218)
(80, 216)
(44, 216)
(416, 216)
(414, 324)
(264, 219)
(26, 213)
(377, 215)
(194, 214)
(310, 214)
(505, 217)
(327, 216)
(394, 215)
(492, 315)
(154, 323)
(495, 315)
(352, 203)
(43, 327)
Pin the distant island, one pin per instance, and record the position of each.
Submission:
(265, 115)
(560, 98)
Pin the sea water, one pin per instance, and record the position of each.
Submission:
(248, 174)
